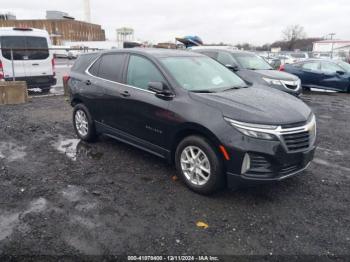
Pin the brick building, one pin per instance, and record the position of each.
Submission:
(61, 30)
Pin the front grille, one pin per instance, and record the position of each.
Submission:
(291, 87)
(297, 141)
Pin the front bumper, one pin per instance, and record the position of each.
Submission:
(269, 160)
(266, 169)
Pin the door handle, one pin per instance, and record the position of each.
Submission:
(88, 82)
(35, 64)
(125, 94)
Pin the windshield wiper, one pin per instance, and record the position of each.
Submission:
(232, 88)
(203, 91)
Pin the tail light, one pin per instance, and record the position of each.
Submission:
(1, 71)
(53, 62)
(282, 68)
(66, 79)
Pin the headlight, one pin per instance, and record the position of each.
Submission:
(253, 130)
(271, 81)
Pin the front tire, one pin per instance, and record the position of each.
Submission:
(83, 123)
(199, 165)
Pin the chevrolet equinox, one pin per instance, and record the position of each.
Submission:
(192, 111)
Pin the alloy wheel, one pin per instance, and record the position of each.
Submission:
(195, 165)
(81, 123)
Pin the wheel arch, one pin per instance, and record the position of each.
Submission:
(190, 129)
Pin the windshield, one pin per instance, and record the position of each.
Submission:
(252, 62)
(201, 74)
(345, 66)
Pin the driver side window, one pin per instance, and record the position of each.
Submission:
(141, 71)
(329, 68)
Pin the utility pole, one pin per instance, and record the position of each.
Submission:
(332, 35)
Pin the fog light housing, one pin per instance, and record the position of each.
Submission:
(245, 164)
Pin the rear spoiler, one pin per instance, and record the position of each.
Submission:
(22, 29)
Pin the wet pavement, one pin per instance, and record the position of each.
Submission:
(62, 196)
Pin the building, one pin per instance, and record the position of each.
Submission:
(61, 28)
(7, 16)
(54, 15)
(331, 45)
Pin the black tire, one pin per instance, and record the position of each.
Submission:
(306, 89)
(90, 135)
(216, 179)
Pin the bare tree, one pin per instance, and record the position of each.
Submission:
(293, 33)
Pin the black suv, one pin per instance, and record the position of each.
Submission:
(189, 109)
(254, 69)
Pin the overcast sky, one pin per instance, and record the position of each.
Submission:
(229, 21)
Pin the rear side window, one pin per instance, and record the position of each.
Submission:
(83, 62)
(314, 66)
(111, 67)
(24, 47)
(141, 71)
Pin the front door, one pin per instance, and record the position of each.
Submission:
(332, 78)
(143, 114)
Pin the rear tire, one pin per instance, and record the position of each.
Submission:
(199, 165)
(83, 123)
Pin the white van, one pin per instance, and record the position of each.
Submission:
(25, 56)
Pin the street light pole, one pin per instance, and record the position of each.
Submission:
(332, 35)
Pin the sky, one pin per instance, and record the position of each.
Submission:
(230, 21)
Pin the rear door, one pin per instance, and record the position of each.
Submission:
(12, 61)
(37, 61)
(110, 73)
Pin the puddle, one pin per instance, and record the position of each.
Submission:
(68, 147)
(74, 148)
(7, 224)
(35, 90)
(330, 152)
(37, 206)
(335, 166)
(11, 152)
(72, 193)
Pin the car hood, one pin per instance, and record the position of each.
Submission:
(274, 74)
(257, 104)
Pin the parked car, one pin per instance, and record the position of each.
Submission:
(254, 69)
(287, 59)
(324, 74)
(299, 56)
(192, 111)
(60, 51)
(32, 60)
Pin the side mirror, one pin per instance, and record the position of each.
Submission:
(340, 72)
(156, 87)
(232, 67)
(161, 90)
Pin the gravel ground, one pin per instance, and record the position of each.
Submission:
(60, 196)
